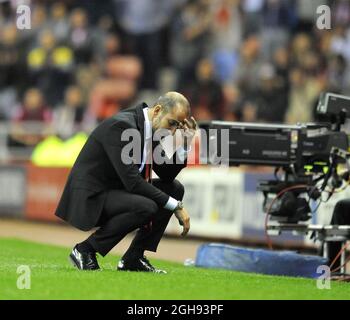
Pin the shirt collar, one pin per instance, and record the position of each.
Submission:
(148, 126)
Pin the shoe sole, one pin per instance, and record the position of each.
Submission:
(130, 270)
(125, 269)
(75, 264)
(73, 261)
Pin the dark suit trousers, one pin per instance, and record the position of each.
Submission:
(125, 212)
(341, 216)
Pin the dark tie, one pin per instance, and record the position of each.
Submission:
(148, 172)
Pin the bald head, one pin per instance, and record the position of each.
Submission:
(173, 100)
(178, 98)
(170, 111)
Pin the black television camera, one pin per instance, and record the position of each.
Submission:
(306, 157)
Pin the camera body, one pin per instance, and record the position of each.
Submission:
(308, 155)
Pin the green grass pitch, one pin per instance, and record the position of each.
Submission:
(52, 277)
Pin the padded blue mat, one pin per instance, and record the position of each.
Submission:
(283, 263)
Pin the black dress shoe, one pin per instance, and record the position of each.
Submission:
(141, 264)
(84, 260)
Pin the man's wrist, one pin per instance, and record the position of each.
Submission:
(171, 204)
(182, 152)
(179, 206)
(187, 144)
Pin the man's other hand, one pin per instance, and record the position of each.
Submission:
(184, 220)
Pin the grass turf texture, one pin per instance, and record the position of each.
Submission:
(52, 277)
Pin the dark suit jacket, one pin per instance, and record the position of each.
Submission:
(99, 168)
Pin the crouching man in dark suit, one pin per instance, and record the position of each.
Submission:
(106, 190)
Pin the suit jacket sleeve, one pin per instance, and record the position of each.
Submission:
(167, 172)
(129, 173)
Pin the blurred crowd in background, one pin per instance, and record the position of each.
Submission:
(237, 60)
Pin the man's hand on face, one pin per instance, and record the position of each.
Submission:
(188, 130)
(184, 220)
